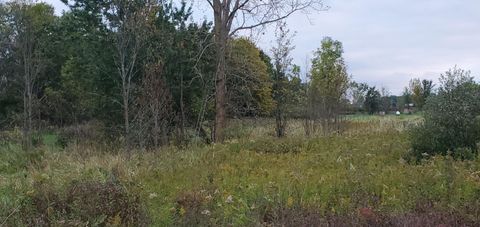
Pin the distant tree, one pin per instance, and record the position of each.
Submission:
(394, 102)
(385, 102)
(405, 99)
(357, 94)
(415, 86)
(427, 89)
(296, 91)
(328, 86)
(420, 91)
(372, 100)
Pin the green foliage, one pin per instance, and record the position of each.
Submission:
(420, 91)
(14, 160)
(372, 100)
(329, 78)
(250, 86)
(326, 93)
(451, 118)
(358, 92)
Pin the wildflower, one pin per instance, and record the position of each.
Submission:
(290, 202)
(206, 212)
(31, 192)
(208, 197)
(182, 211)
(152, 195)
(229, 199)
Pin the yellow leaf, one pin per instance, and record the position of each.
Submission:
(290, 201)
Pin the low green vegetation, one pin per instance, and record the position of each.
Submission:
(253, 179)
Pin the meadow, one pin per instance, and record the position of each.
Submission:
(360, 176)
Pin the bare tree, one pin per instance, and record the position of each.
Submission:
(232, 16)
(283, 63)
(153, 109)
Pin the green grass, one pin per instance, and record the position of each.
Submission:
(332, 175)
(368, 118)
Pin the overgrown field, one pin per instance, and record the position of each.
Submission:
(358, 177)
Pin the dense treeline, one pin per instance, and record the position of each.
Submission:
(142, 69)
(148, 75)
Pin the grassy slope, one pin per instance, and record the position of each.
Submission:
(335, 175)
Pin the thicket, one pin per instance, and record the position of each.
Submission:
(451, 119)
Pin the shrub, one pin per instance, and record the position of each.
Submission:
(83, 204)
(451, 123)
(195, 208)
(13, 137)
(14, 159)
(90, 133)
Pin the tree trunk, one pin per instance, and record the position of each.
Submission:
(27, 95)
(220, 93)
(280, 122)
(126, 116)
(182, 110)
(221, 38)
(156, 126)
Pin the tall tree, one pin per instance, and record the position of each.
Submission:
(250, 87)
(232, 16)
(427, 89)
(283, 63)
(416, 89)
(386, 101)
(329, 83)
(128, 21)
(357, 94)
(372, 100)
(31, 24)
(420, 91)
(84, 84)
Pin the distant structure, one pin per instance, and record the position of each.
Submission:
(409, 108)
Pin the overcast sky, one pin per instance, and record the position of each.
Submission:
(387, 43)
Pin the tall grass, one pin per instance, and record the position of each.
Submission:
(255, 178)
